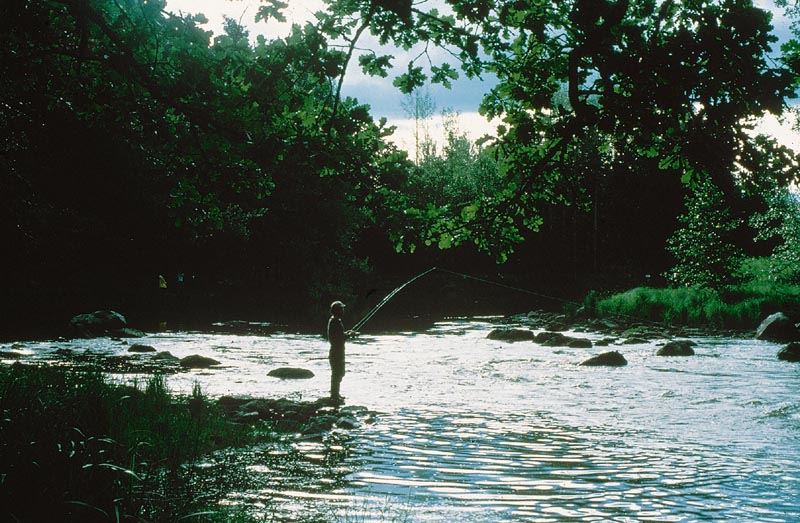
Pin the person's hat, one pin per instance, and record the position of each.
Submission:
(337, 305)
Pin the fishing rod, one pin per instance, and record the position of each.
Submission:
(370, 314)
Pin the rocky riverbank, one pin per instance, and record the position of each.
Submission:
(672, 339)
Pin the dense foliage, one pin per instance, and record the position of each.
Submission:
(671, 81)
(135, 145)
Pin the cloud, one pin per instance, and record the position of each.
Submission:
(782, 129)
(298, 12)
(470, 123)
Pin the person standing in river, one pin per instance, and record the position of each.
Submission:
(336, 337)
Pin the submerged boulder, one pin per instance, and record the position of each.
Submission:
(138, 347)
(511, 335)
(778, 327)
(97, 323)
(790, 352)
(643, 332)
(677, 348)
(195, 361)
(608, 359)
(556, 326)
(127, 332)
(553, 339)
(634, 341)
(165, 356)
(291, 373)
(556, 339)
(580, 343)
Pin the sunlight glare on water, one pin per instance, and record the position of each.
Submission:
(470, 429)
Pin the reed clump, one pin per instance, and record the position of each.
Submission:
(74, 447)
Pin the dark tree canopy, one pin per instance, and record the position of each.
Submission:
(132, 144)
(676, 81)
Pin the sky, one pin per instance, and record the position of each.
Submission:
(386, 101)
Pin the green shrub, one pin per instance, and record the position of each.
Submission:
(740, 306)
(75, 448)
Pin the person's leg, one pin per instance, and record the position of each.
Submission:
(336, 380)
(337, 373)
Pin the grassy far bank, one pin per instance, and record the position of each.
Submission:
(76, 448)
(739, 307)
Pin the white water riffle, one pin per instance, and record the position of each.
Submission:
(469, 429)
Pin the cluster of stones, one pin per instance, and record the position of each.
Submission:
(775, 328)
(308, 419)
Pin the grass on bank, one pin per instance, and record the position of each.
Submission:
(735, 307)
(76, 448)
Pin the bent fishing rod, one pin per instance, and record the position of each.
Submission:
(357, 327)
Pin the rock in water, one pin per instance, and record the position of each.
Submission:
(580, 343)
(608, 359)
(347, 422)
(790, 352)
(548, 336)
(130, 333)
(138, 347)
(291, 373)
(642, 332)
(511, 335)
(195, 361)
(634, 341)
(97, 323)
(778, 327)
(677, 348)
(165, 356)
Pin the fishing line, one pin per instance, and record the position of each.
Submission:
(357, 327)
(388, 297)
(505, 286)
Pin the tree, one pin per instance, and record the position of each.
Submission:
(419, 106)
(461, 172)
(703, 246)
(672, 81)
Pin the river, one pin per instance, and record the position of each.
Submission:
(468, 429)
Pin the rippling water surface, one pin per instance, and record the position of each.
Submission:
(469, 429)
